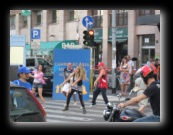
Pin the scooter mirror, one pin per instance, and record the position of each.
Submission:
(127, 99)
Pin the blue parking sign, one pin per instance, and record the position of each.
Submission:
(35, 34)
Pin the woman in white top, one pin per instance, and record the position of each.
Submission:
(124, 76)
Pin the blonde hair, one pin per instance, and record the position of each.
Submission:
(82, 72)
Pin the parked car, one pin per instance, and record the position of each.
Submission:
(32, 64)
(23, 106)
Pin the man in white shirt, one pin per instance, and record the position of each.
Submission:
(150, 61)
(131, 63)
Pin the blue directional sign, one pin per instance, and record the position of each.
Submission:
(35, 34)
(88, 21)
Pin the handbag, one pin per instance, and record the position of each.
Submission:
(59, 90)
(84, 90)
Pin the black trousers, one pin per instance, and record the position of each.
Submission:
(131, 83)
(97, 92)
(80, 97)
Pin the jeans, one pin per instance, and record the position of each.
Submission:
(97, 92)
(153, 118)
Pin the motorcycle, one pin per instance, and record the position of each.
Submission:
(113, 113)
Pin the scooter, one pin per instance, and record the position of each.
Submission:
(113, 113)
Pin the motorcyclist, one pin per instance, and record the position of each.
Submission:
(152, 92)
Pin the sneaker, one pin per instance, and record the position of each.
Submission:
(65, 108)
(84, 110)
(75, 103)
(92, 105)
(81, 108)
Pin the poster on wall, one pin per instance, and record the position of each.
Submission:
(17, 50)
(16, 54)
(75, 56)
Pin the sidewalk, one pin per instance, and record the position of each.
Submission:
(113, 97)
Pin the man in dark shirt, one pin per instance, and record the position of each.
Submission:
(152, 92)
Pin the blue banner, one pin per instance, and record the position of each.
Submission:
(61, 58)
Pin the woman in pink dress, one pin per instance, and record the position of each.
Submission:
(38, 83)
(124, 76)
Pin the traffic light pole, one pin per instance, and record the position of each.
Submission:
(113, 52)
(30, 32)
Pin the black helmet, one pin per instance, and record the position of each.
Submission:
(106, 114)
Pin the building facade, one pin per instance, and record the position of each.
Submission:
(137, 33)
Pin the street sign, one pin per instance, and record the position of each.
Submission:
(35, 44)
(35, 34)
(26, 13)
(88, 21)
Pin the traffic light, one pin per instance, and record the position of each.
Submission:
(88, 38)
(85, 37)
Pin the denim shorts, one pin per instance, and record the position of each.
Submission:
(37, 85)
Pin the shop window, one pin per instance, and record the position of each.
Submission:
(146, 54)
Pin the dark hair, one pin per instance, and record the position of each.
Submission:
(43, 69)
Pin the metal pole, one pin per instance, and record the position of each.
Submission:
(30, 31)
(113, 52)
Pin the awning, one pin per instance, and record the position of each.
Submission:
(98, 41)
(120, 40)
(47, 47)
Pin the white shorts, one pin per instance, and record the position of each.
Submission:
(66, 88)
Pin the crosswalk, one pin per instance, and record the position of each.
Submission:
(74, 114)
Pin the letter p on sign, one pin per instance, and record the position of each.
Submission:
(35, 34)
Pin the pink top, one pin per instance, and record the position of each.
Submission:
(38, 77)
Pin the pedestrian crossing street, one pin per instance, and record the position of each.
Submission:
(74, 114)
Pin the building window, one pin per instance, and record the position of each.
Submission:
(97, 16)
(146, 12)
(25, 21)
(147, 53)
(148, 47)
(74, 15)
(39, 17)
(121, 17)
(12, 22)
(96, 12)
(148, 40)
(55, 16)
